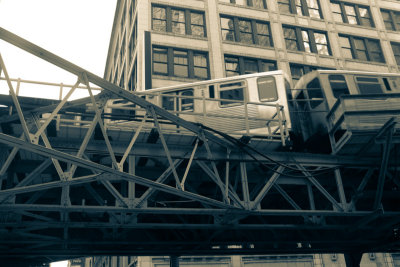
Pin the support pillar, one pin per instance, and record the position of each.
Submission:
(173, 261)
(353, 259)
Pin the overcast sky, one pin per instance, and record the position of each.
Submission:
(77, 30)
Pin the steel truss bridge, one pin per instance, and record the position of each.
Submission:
(92, 186)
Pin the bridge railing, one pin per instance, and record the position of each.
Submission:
(236, 117)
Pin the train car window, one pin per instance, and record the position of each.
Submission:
(338, 85)
(267, 89)
(314, 93)
(369, 85)
(231, 91)
(187, 103)
(168, 102)
(177, 101)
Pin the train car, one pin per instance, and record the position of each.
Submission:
(252, 105)
(342, 104)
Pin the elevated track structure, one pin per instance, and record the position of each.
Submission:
(76, 181)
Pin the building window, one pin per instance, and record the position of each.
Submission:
(181, 65)
(306, 40)
(235, 65)
(352, 14)
(396, 52)
(361, 48)
(170, 61)
(391, 19)
(309, 8)
(246, 31)
(160, 60)
(251, 3)
(297, 71)
(179, 21)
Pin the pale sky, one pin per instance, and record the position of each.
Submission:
(77, 30)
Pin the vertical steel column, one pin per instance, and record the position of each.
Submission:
(131, 185)
(340, 189)
(173, 261)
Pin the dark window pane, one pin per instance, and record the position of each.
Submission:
(160, 25)
(180, 64)
(338, 85)
(197, 30)
(231, 66)
(368, 85)
(227, 29)
(234, 94)
(159, 13)
(250, 66)
(200, 66)
(178, 21)
(245, 29)
(159, 19)
(283, 6)
(160, 68)
(267, 66)
(160, 61)
(197, 24)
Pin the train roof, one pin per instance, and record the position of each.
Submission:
(233, 78)
(309, 76)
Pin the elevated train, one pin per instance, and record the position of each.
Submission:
(324, 104)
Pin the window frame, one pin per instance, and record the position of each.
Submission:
(304, 7)
(392, 15)
(249, 3)
(243, 87)
(240, 60)
(237, 33)
(187, 20)
(311, 39)
(344, 15)
(367, 45)
(190, 62)
(396, 55)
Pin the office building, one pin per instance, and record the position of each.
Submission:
(156, 43)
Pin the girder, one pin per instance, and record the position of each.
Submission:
(92, 183)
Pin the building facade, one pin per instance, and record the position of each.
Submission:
(316, 260)
(156, 43)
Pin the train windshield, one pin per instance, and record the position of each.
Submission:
(267, 89)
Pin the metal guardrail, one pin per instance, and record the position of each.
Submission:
(275, 127)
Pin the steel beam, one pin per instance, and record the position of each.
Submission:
(100, 168)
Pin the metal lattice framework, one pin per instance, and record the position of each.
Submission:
(90, 186)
